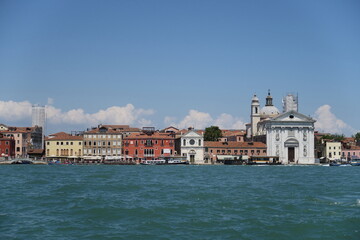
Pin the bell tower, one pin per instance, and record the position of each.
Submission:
(255, 115)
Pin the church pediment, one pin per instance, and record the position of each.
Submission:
(192, 134)
(292, 116)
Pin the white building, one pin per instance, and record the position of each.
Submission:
(291, 137)
(192, 147)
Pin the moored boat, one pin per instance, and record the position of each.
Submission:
(355, 162)
(177, 161)
(153, 162)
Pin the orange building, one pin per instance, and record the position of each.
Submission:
(149, 145)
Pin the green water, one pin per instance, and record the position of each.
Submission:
(179, 202)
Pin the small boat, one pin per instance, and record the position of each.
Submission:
(177, 161)
(153, 162)
(339, 164)
(355, 162)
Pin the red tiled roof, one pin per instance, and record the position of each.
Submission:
(234, 144)
(155, 135)
(63, 136)
(109, 130)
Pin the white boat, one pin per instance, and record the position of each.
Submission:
(177, 161)
(153, 162)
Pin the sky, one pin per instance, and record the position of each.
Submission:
(181, 63)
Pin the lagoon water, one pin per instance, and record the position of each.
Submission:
(179, 202)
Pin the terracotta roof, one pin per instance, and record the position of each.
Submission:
(155, 135)
(19, 130)
(234, 144)
(116, 126)
(111, 130)
(63, 136)
(228, 133)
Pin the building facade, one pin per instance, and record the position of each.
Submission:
(7, 146)
(64, 147)
(104, 141)
(215, 151)
(349, 153)
(149, 145)
(332, 150)
(192, 147)
(26, 138)
(290, 136)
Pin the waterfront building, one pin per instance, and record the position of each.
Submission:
(192, 147)
(7, 146)
(217, 151)
(351, 152)
(149, 145)
(64, 147)
(105, 141)
(332, 150)
(26, 138)
(289, 136)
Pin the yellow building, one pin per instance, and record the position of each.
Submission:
(64, 147)
(333, 150)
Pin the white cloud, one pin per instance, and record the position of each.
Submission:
(227, 121)
(201, 120)
(14, 111)
(328, 122)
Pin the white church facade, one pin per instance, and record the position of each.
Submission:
(288, 135)
(291, 137)
(192, 147)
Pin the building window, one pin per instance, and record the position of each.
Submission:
(184, 142)
(57, 143)
(48, 143)
(62, 143)
(217, 151)
(199, 142)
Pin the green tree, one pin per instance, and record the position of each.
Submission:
(335, 137)
(357, 136)
(212, 133)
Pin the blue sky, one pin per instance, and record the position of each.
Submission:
(180, 63)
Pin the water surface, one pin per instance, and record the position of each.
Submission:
(179, 202)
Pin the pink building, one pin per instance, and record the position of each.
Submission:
(350, 152)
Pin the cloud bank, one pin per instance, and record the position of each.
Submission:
(328, 122)
(16, 111)
(201, 120)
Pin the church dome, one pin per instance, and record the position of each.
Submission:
(269, 110)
